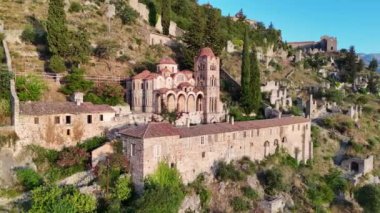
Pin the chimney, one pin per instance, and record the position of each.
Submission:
(77, 97)
(227, 118)
(232, 120)
(187, 122)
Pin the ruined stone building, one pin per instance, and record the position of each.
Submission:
(278, 97)
(326, 44)
(197, 149)
(195, 95)
(60, 124)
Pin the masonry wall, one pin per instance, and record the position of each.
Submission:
(46, 132)
(194, 155)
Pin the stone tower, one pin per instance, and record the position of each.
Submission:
(207, 77)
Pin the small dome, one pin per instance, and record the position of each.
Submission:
(207, 51)
(167, 60)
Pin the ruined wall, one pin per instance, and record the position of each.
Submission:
(194, 155)
(155, 39)
(45, 132)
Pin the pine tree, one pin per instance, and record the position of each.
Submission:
(255, 81)
(165, 16)
(57, 33)
(372, 83)
(373, 65)
(246, 92)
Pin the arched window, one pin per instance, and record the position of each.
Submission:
(284, 140)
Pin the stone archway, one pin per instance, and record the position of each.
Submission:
(181, 103)
(171, 103)
(191, 107)
(199, 103)
(266, 148)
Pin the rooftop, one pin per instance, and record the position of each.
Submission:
(206, 52)
(153, 130)
(51, 108)
(167, 60)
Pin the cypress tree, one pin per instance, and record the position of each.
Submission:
(152, 14)
(57, 33)
(246, 92)
(165, 16)
(255, 81)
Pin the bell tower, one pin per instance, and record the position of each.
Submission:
(207, 79)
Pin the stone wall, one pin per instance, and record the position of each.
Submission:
(194, 155)
(159, 39)
(46, 132)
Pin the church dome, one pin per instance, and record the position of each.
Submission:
(167, 60)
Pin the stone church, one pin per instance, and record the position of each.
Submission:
(194, 95)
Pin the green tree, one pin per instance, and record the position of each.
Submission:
(368, 197)
(246, 91)
(57, 64)
(255, 82)
(106, 49)
(123, 188)
(111, 94)
(152, 13)
(163, 191)
(79, 47)
(165, 16)
(30, 87)
(373, 65)
(75, 82)
(61, 199)
(213, 36)
(194, 38)
(57, 33)
(372, 83)
(273, 181)
(5, 77)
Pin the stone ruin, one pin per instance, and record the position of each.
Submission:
(355, 112)
(273, 205)
(278, 97)
(357, 167)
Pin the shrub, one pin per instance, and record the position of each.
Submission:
(335, 181)
(72, 156)
(61, 199)
(75, 82)
(247, 166)
(368, 197)
(111, 94)
(123, 188)
(75, 7)
(294, 110)
(123, 58)
(201, 190)
(239, 204)
(57, 64)
(273, 181)
(29, 34)
(125, 12)
(163, 191)
(28, 178)
(228, 172)
(30, 87)
(92, 143)
(249, 193)
(106, 49)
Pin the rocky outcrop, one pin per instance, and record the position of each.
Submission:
(191, 203)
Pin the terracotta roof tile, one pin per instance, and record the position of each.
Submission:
(184, 84)
(142, 75)
(50, 108)
(206, 52)
(167, 60)
(152, 130)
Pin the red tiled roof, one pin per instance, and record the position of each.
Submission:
(152, 76)
(50, 108)
(184, 84)
(206, 52)
(167, 60)
(165, 70)
(165, 129)
(151, 130)
(142, 75)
